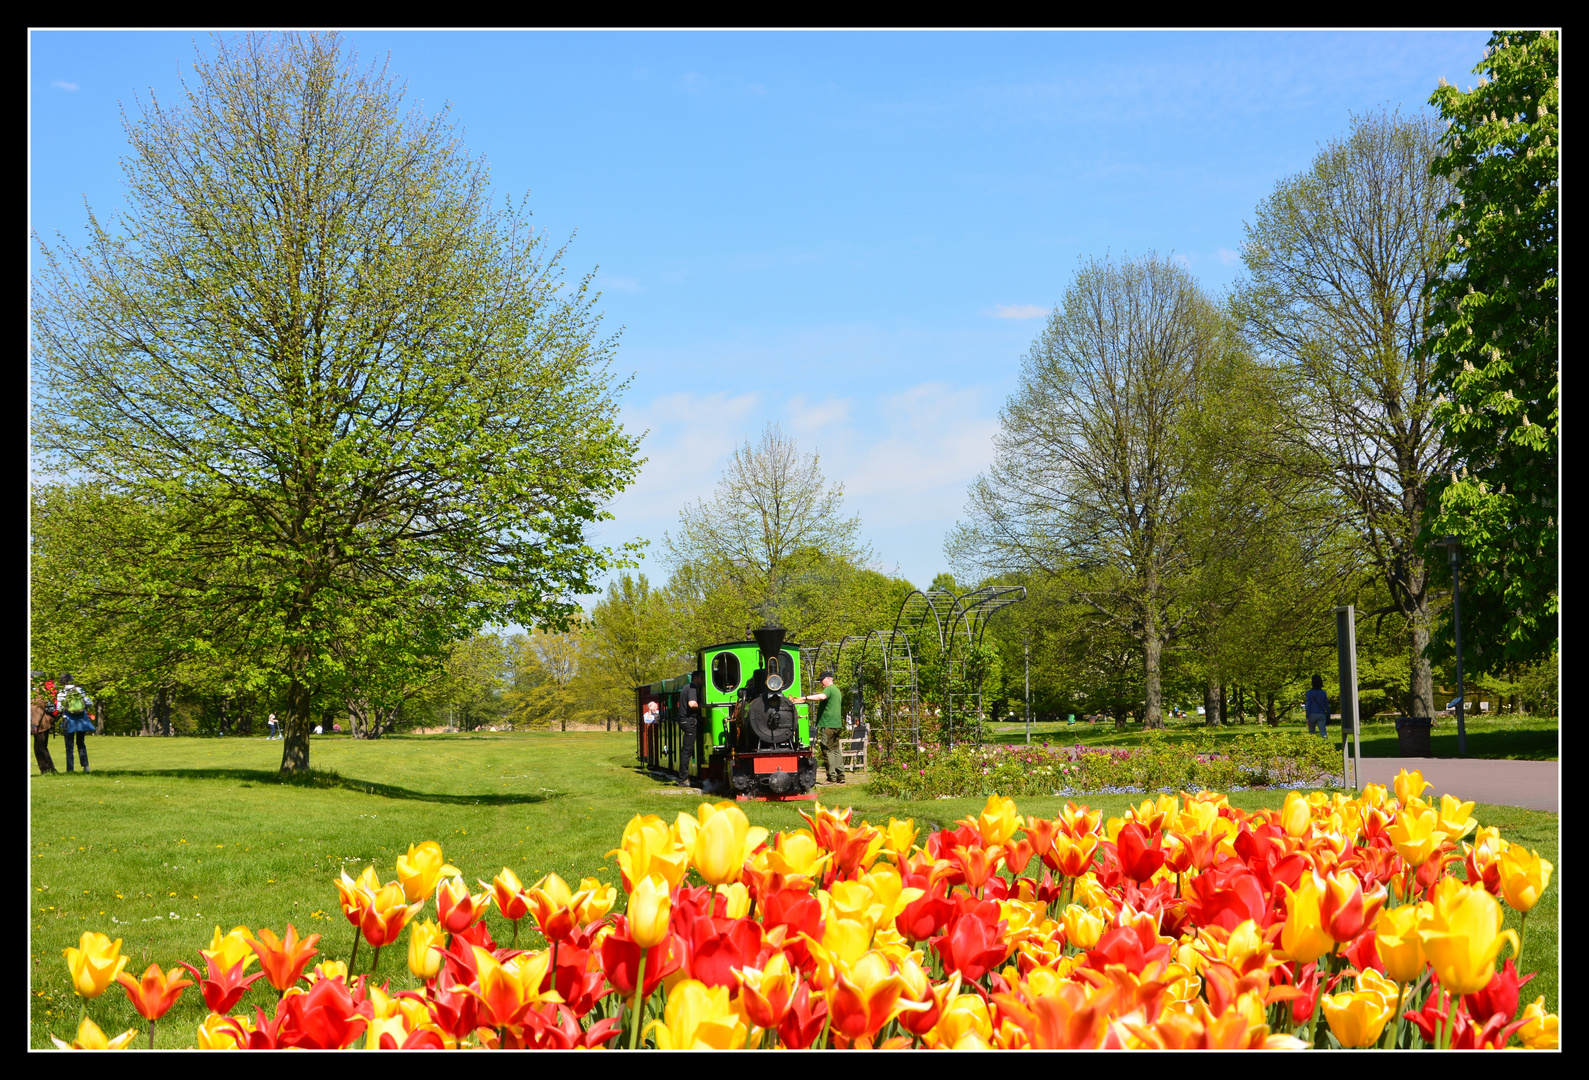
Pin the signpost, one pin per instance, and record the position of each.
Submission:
(1346, 665)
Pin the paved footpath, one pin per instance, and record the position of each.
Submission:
(1534, 785)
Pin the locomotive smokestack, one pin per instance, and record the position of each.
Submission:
(769, 639)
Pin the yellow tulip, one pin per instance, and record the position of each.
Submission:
(1524, 877)
(89, 1037)
(1358, 1019)
(421, 868)
(1409, 785)
(649, 847)
(1247, 947)
(1295, 815)
(423, 960)
(1416, 832)
(1083, 927)
(1396, 938)
(699, 1017)
(851, 900)
(94, 964)
(650, 907)
(888, 890)
(963, 1021)
(847, 940)
(226, 950)
(1539, 1027)
(599, 899)
(900, 836)
(998, 820)
(737, 900)
(219, 1032)
(723, 844)
(1304, 937)
(1462, 936)
(329, 969)
(1373, 795)
(796, 853)
(1198, 817)
(1455, 818)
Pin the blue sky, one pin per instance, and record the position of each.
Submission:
(876, 222)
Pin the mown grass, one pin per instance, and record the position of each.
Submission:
(169, 838)
(1522, 738)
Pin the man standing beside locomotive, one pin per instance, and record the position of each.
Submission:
(689, 728)
(830, 726)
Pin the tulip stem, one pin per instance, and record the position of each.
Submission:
(151, 1034)
(639, 992)
(1522, 930)
(375, 963)
(355, 956)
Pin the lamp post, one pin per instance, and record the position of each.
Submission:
(1453, 548)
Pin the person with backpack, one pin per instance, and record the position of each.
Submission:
(41, 722)
(73, 703)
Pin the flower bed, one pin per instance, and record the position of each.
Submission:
(1266, 760)
(1333, 921)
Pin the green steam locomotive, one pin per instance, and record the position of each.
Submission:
(750, 740)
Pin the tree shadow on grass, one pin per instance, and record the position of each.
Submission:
(328, 779)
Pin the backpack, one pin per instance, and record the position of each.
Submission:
(76, 700)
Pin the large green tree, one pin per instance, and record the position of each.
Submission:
(1338, 257)
(354, 389)
(1093, 474)
(1494, 344)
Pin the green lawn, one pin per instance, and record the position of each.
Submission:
(168, 838)
(1521, 738)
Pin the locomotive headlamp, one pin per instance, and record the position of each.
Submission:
(775, 683)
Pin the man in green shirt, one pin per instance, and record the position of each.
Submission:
(830, 726)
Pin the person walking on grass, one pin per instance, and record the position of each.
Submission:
(830, 726)
(73, 703)
(41, 721)
(1317, 705)
(689, 729)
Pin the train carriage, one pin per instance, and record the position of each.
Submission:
(752, 739)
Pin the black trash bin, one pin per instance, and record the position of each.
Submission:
(1412, 733)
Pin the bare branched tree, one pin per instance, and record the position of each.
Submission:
(771, 503)
(1339, 257)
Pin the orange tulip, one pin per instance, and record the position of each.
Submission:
(283, 959)
(354, 894)
(508, 893)
(156, 992)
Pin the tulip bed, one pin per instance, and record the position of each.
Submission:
(1331, 921)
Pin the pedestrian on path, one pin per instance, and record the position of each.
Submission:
(272, 723)
(73, 703)
(1317, 705)
(41, 721)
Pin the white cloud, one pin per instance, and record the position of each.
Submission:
(1018, 311)
(63, 84)
(1227, 256)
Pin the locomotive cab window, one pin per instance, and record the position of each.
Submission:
(725, 672)
(782, 666)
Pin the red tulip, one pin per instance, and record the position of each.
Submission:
(714, 953)
(804, 1021)
(1499, 998)
(1364, 953)
(620, 959)
(453, 1009)
(972, 946)
(325, 1018)
(1345, 908)
(1138, 851)
(223, 989)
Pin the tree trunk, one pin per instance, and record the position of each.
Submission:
(296, 726)
(162, 712)
(1213, 693)
(1422, 674)
(1120, 717)
(1224, 705)
(1273, 720)
(1152, 658)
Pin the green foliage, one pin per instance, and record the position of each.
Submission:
(359, 408)
(1493, 341)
